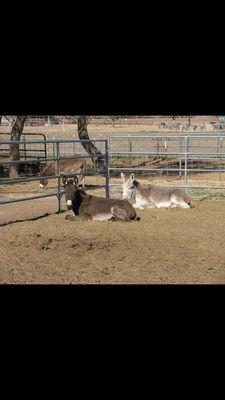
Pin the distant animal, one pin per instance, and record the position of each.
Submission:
(93, 207)
(75, 166)
(153, 196)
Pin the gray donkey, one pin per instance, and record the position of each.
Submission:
(153, 196)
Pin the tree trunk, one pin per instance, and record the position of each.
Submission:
(90, 148)
(17, 129)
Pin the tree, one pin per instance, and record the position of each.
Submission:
(16, 131)
(90, 148)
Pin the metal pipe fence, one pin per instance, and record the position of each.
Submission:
(57, 143)
(26, 151)
(189, 154)
(182, 156)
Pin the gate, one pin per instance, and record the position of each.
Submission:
(28, 150)
(57, 145)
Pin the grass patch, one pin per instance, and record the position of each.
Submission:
(207, 194)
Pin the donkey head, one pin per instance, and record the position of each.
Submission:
(43, 183)
(128, 185)
(70, 190)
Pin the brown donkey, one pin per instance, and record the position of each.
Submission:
(95, 208)
(66, 166)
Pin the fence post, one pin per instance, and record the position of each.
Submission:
(158, 145)
(25, 153)
(130, 146)
(107, 173)
(180, 163)
(185, 171)
(53, 147)
(221, 157)
(218, 144)
(188, 144)
(59, 196)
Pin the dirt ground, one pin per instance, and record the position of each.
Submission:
(168, 246)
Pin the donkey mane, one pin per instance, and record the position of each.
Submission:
(136, 183)
(143, 189)
(76, 202)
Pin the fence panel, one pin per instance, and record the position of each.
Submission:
(59, 149)
(198, 161)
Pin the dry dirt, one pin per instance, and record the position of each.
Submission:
(167, 246)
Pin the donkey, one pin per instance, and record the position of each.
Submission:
(93, 207)
(66, 166)
(153, 196)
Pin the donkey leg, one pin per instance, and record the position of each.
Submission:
(184, 205)
(179, 202)
(119, 214)
(113, 219)
(71, 217)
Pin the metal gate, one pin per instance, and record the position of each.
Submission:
(28, 150)
(57, 144)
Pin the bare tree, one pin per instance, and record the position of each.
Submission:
(90, 148)
(16, 130)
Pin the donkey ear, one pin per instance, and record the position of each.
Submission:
(132, 177)
(75, 180)
(64, 180)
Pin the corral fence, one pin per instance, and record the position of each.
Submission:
(197, 160)
(35, 151)
(29, 150)
(56, 154)
(193, 161)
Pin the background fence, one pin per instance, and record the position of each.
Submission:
(190, 161)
